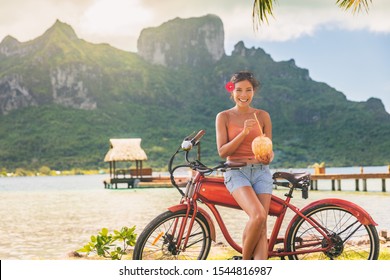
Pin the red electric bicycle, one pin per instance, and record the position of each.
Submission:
(325, 229)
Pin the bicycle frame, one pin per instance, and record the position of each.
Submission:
(211, 191)
(327, 228)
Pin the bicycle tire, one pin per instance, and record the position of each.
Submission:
(351, 240)
(157, 243)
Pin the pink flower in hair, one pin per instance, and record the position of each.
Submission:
(229, 86)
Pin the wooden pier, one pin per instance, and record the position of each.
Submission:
(357, 177)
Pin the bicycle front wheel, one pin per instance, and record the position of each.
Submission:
(348, 238)
(159, 239)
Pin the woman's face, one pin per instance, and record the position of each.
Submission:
(243, 93)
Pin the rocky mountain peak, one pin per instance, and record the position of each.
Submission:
(9, 45)
(58, 34)
(60, 29)
(60, 73)
(195, 42)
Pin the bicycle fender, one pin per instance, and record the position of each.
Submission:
(203, 212)
(361, 214)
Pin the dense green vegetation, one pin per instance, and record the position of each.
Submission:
(312, 122)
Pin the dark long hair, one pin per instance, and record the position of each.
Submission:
(246, 75)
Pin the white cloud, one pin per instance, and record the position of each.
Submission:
(301, 18)
(294, 19)
(118, 17)
(119, 22)
(26, 20)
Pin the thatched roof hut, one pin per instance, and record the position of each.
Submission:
(125, 150)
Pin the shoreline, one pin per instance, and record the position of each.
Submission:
(46, 171)
(221, 251)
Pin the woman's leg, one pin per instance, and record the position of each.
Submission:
(261, 250)
(250, 203)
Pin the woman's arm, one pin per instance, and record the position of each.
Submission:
(267, 124)
(226, 148)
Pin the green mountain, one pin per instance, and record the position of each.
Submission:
(62, 99)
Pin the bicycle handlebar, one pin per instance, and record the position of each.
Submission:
(186, 146)
(191, 141)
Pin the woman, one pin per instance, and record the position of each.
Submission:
(251, 186)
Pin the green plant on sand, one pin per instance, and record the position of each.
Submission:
(104, 244)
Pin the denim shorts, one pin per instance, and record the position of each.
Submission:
(256, 175)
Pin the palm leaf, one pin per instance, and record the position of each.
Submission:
(355, 5)
(261, 10)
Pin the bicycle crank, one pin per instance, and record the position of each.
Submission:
(170, 245)
(337, 246)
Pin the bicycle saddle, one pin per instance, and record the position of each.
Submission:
(293, 178)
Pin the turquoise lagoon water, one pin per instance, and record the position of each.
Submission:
(48, 217)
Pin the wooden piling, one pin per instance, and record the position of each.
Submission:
(357, 177)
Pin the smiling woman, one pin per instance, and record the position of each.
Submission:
(251, 186)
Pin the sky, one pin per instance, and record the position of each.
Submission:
(350, 52)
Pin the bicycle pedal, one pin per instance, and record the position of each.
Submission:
(236, 258)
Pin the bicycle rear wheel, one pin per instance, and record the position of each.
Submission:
(159, 238)
(350, 240)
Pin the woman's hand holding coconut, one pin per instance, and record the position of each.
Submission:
(262, 145)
